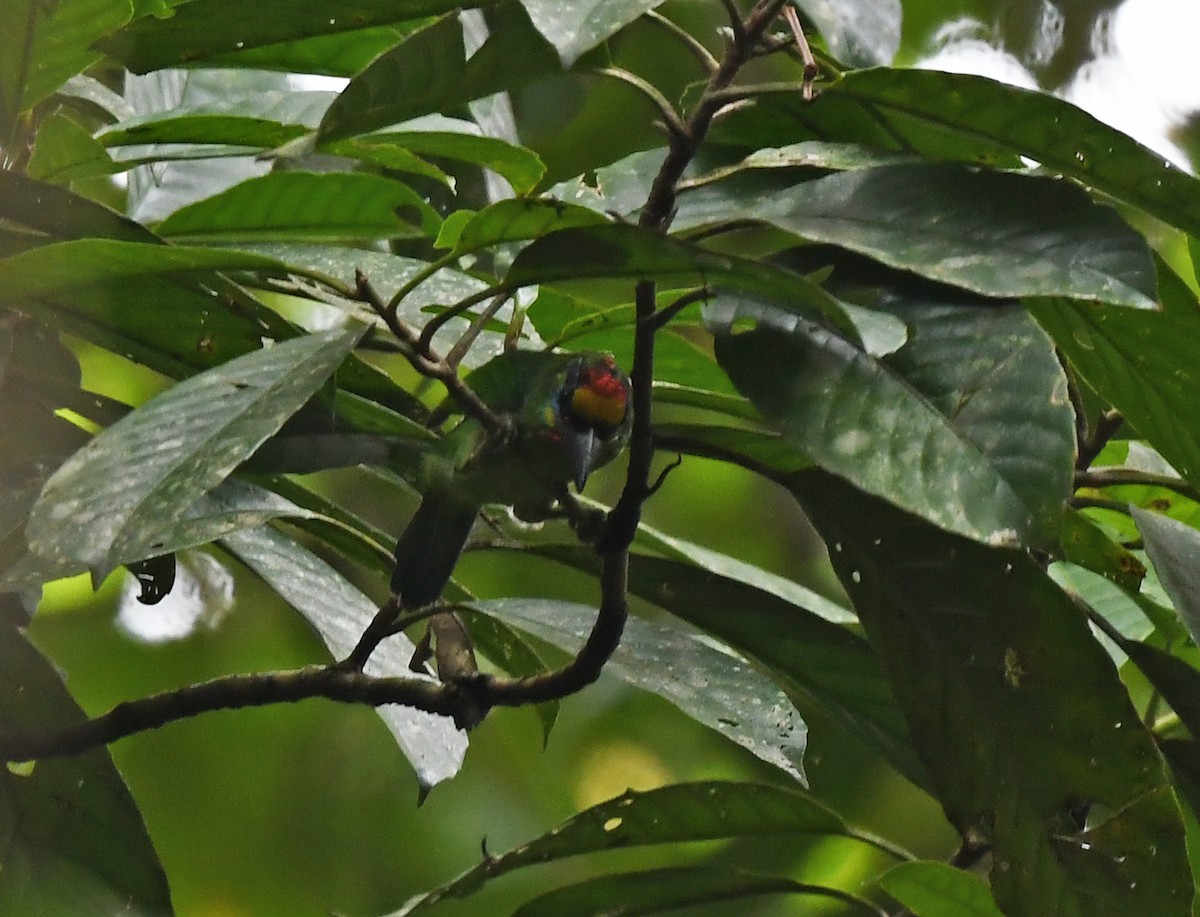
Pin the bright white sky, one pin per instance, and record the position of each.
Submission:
(1144, 79)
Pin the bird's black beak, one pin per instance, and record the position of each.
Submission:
(583, 446)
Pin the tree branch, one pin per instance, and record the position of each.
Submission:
(467, 695)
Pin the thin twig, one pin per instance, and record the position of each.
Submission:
(811, 70)
(1113, 477)
(427, 362)
(668, 312)
(670, 118)
(687, 39)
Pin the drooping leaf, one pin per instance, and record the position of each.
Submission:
(1016, 711)
(827, 665)
(713, 687)
(387, 274)
(309, 206)
(518, 219)
(429, 72)
(219, 27)
(109, 502)
(340, 613)
(71, 838)
(670, 888)
(574, 28)
(672, 814)
(1141, 363)
(62, 214)
(619, 250)
(44, 44)
(519, 166)
(994, 233)
(97, 262)
(974, 119)
(932, 421)
(1174, 549)
(65, 151)
(930, 889)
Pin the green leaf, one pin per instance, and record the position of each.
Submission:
(975, 119)
(521, 167)
(518, 219)
(108, 503)
(45, 44)
(429, 72)
(61, 214)
(673, 887)
(215, 28)
(994, 233)
(929, 428)
(387, 274)
(930, 889)
(1140, 362)
(828, 665)
(625, 251)
(710, 685)
(340, 613)
(576, 27)
(305, 205)
(672, 814)
(202, 128)
(1016, 711)
(1088, 545)
(1174, 549)
(64, 151)
(71, 838)
(63, 266)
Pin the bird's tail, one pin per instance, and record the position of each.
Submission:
(429, 547)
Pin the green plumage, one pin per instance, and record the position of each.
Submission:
(570, 415)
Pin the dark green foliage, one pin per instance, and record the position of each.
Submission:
(923, 307)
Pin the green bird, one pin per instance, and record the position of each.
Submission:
(570, 414)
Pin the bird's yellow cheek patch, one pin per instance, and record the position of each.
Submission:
(597, 409)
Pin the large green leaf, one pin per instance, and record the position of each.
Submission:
(579, 26)
(623, 251)
(520, 167)
(669, 888)
(1143, 363)
(71, 838)
(264, 119)
(62, 215)
(107, 504)
(929, 889)
(518, 219)
(339, 613)
(1016, 711)
(306, 205)
(1174, 548)
(929, 428)
(429, 72)
(198, 31)
(710, 685)
(65, 151)
(672, 814)
(975, 119)
(62, 266)
(44, 44)
(387, 275)
(827, 665)
(994, 233)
